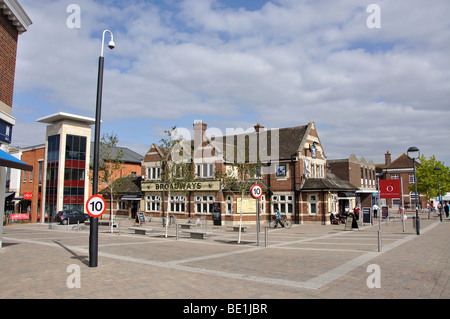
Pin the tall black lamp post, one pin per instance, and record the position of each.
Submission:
(415, 153)
(93, 231)
(438, 170)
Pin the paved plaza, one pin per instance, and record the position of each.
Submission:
(306, 261)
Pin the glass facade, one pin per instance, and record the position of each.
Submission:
(51, 186)
(74, 172)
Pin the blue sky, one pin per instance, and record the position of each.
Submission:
(233, 64)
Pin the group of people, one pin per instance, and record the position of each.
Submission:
(445, 207)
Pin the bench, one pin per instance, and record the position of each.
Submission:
(140, 230)
(187, 226)
(236, 227)
(198, 234)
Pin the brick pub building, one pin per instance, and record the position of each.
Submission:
(293, 176)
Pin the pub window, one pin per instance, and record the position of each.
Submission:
(204, 204)
(122, 205)
(177, 204)
(283, 202)
(154, 173)
(312, 204)
(204, 170)
(229, 204)
(153, 203)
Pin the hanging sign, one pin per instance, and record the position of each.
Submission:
(390, 188)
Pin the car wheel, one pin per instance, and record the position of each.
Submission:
(64, 222)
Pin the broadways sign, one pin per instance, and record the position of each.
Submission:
(182, 186)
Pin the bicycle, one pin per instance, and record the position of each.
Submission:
(287, 223)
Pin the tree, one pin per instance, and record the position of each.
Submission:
(176, 166)
(427, 177)
(110, 163)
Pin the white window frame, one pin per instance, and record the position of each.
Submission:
(153, 203)
(312, 200)
(205, 202)
(229, 204)
(284, 202)
(154, 173)
(204, 170)
(177, 204)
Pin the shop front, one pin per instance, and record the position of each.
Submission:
(181, 199)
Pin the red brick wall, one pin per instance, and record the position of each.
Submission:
(32, 185)
(8, 51)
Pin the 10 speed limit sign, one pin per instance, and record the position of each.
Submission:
(96, 206)
(256, 191)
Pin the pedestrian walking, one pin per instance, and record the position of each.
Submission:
(375, 210)
(278, 218)
(356, 212)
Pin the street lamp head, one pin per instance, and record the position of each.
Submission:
(414, 150)
(111, 44)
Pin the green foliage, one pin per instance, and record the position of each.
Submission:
(110, 158)
(175, 165)
(428, 173)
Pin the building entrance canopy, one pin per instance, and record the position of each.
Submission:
(7, 160)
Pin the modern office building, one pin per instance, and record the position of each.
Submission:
(62, 174)
(66, 163)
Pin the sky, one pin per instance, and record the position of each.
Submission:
(374, 76)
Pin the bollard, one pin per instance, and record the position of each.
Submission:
(379, 240)
(266, 237)
(176, 230)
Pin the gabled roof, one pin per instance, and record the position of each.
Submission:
(403, 161)
(129, 156)
(291, 141)
(126, 185)
(331, 183)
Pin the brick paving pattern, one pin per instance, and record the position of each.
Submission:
(306, 261)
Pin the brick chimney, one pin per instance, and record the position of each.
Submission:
(199, 136)
(199, 129)
(387, 158)
(259, 128)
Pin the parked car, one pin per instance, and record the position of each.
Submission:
(71, 216)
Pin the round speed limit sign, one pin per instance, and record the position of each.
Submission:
(96, 206)
(256, 191)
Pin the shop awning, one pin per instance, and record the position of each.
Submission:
(131, 197)
(7, 160)
(346, 194)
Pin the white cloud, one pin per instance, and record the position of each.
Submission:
(286, 64)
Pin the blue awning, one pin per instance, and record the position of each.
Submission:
(7, 160)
